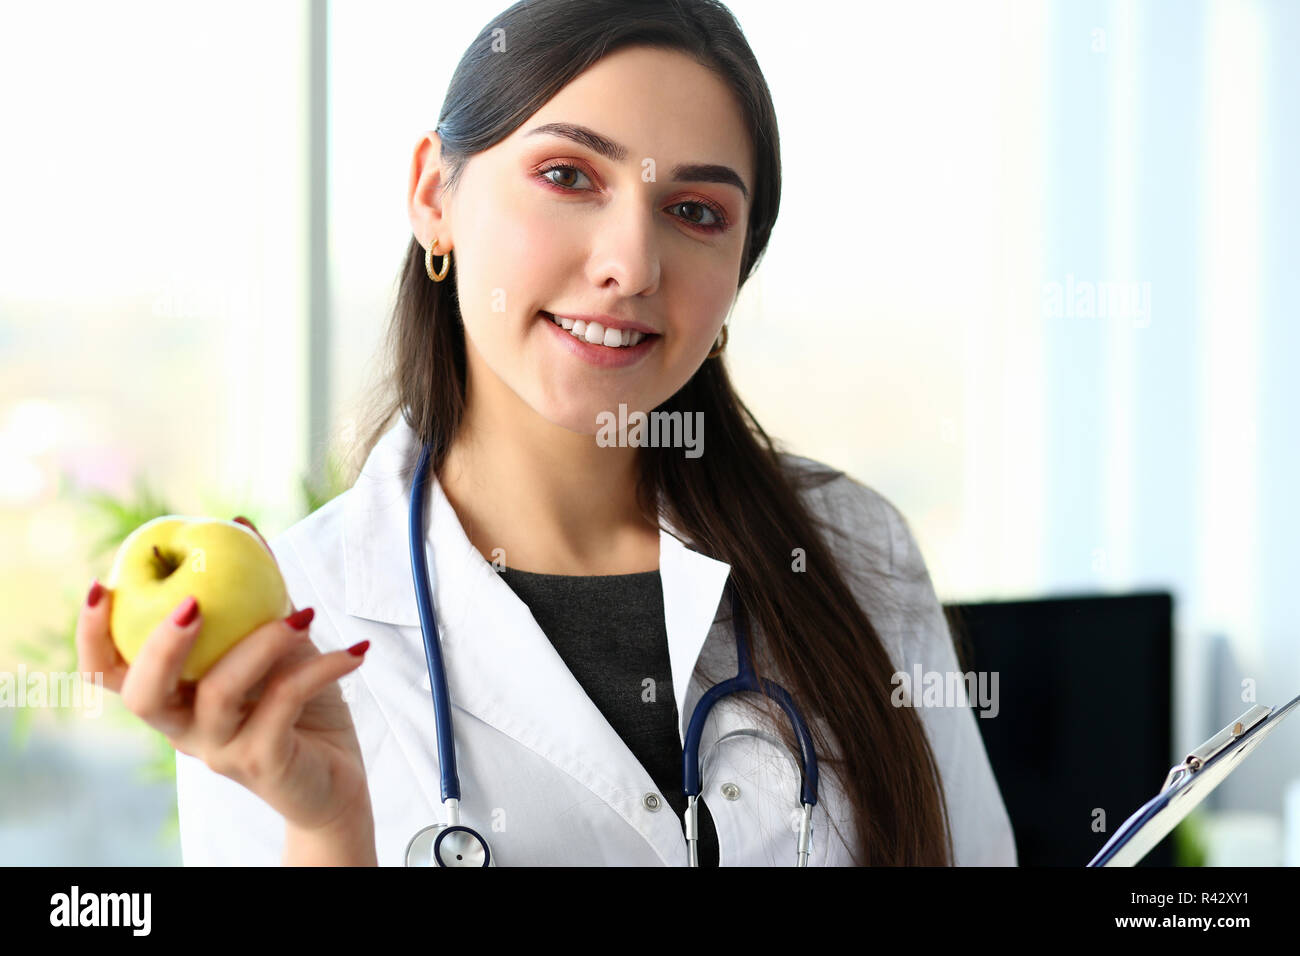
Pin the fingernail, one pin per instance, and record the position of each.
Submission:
(300, 619)
(184, 615)
(356, 650)
(96, 592)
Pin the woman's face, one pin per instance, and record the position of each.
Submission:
(546, 224)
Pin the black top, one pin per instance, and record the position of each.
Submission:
(609, 630)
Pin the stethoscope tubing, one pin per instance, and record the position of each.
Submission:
(745, 680)
(429, 629)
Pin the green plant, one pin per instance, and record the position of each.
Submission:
(316, 493)
(1190, 840)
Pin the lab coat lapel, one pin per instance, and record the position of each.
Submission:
(693, 586)
(501, 668)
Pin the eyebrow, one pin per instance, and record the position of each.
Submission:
(682, 172)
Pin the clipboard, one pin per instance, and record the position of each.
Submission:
(1188, 783)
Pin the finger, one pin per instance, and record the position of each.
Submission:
(96, 652)
(151, 689)
(224, 697)
(287, 693)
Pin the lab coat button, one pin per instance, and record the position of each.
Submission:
(730, 791)
(651, 801)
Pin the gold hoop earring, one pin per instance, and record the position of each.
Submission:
(428, 263)
(717, 349)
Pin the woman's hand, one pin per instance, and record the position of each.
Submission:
(268, 715)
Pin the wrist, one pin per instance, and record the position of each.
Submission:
(347, 840)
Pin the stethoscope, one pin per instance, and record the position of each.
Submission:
(450, 844)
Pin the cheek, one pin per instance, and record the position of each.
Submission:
(518, 261)
(706, 301)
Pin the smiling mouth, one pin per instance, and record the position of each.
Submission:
(593, 333)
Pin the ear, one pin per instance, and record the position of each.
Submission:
(424, 191)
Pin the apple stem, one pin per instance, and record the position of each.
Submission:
(165, 567)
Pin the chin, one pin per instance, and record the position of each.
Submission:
(580, 421)
(580, 416)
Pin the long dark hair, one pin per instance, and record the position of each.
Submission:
(740, 503)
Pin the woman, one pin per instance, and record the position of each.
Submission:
(601, 168)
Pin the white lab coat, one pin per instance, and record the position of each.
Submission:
(543, 776)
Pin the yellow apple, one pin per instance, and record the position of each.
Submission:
(222, 563)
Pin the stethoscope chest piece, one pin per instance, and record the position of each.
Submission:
(443, 845)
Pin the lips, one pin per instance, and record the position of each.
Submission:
(601, 356)
(596, 332)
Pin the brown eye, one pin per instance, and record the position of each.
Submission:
(704, 211)
(566, 173)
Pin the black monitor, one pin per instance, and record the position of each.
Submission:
(1085, 714)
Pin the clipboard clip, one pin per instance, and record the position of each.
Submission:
(1195, 760)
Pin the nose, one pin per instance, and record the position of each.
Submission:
(625, 248)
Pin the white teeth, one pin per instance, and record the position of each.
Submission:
(597, 334)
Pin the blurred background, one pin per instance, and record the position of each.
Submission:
(1029, 281)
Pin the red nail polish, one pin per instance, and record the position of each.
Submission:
(96, 592)
(184, 615)
(359, 648)
(300, 619)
